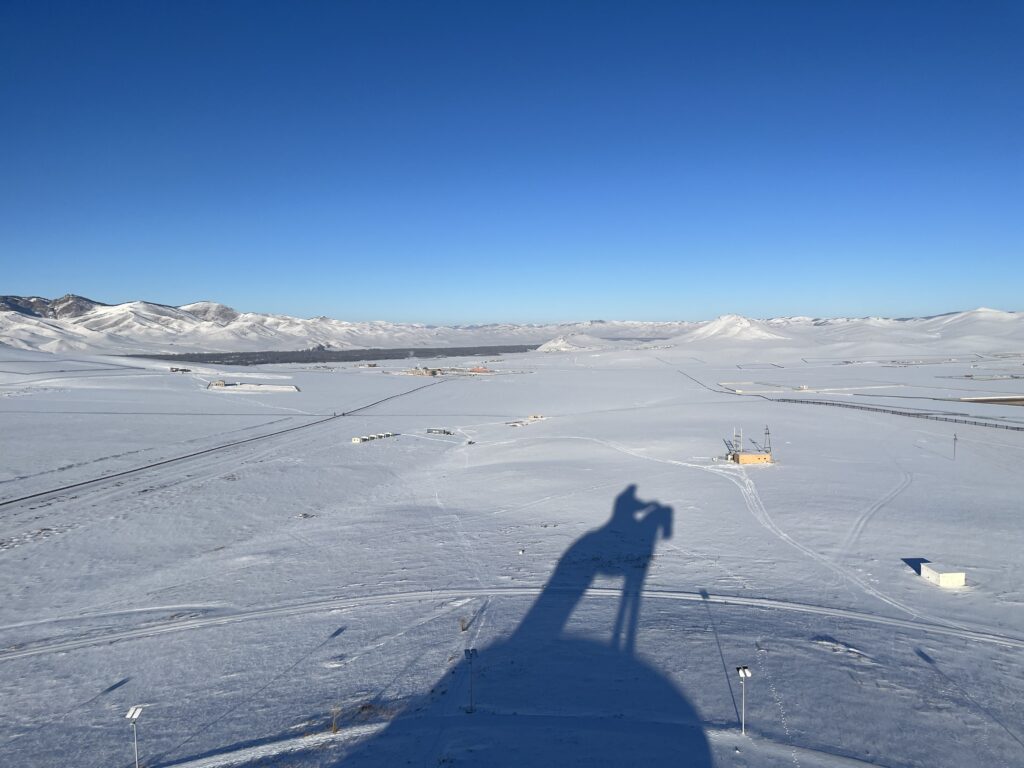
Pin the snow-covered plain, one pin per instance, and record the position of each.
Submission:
(299, 600)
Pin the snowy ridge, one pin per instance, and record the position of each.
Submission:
(76, 324)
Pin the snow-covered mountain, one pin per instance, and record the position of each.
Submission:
(66, 306)
(74, 323)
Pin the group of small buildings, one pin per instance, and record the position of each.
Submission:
(382, 435)
(175, 369)
(426, 371)
(241, 386)
(531, 419)
(368, 438)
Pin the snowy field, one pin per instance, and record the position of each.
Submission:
(275, 595)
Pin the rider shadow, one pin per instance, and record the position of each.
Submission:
(544, 697)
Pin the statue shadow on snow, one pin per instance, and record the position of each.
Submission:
(545, 698)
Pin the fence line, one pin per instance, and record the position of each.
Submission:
(897, 412)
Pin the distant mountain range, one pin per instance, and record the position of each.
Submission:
(77, 324)
(64, 307)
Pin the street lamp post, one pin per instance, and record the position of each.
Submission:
(744, 673)
(132, 717)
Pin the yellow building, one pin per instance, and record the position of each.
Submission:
(762, 453)
(750, 458)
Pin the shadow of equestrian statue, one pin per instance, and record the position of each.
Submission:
(547, 698)
(623, 546)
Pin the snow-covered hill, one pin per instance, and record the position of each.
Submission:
(733, 327)
(74, 323)
(574, 342)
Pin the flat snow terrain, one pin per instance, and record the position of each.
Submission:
(273, 594)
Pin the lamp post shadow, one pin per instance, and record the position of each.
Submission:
(543, 697)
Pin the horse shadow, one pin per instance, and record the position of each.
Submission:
(622, 547)
(548, 697)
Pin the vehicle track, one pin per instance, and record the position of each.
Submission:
(739, 477)
(363, 601)
(873, 509)
(760, 513)
(206, 451)
(55, 514)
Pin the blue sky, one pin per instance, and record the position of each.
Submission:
(516, 161)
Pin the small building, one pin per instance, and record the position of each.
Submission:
(750, 457)
(376, 436)
(218, 383)
(946, 579)
(762, 453)
(438, 431)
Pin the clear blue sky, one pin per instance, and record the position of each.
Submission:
(490, 161)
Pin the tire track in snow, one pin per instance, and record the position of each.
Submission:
(153, 465)
(206, 451)
(741, 479)
(457, 526)
(861, 523)
(349, 603)
(760, 513)
(761, 653)
(766, 520)
(61, 516)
